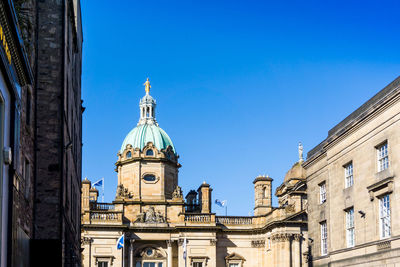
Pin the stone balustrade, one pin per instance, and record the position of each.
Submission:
(234, 220)
(105, 217)
(199, 218)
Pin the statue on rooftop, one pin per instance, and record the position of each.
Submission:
(301, 152)
(147, 86)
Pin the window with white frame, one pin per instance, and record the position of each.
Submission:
(384, 216)
(234, 265)
(324, 238)
(348, 174)
(102, 264)
(383, 157)
(322, 193)
(350, 227)
(197, 264)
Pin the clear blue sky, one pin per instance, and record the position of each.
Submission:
(238, 83)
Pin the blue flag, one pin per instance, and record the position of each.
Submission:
(220, 203)
(120, 242)
(98, 183)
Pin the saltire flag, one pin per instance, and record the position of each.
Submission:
(184, 248)
(98, 183)
(220, 203)
(120, 242)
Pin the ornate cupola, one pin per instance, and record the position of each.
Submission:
(147, 163)
(147, 107)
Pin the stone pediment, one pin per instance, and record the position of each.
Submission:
(234, 256)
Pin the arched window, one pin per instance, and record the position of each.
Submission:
(148, 112)
(264, 192)
(149, 152)
(129, 155)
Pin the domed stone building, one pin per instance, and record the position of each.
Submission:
(162, 228)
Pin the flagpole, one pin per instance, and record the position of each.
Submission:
(102, 198)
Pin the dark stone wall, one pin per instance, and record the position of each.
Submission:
(58, 129)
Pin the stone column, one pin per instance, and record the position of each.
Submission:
(286, 247)
(296, 250)
(131, 263)
(169, 245)
(282, 249)
(275, 250)
(181, 261)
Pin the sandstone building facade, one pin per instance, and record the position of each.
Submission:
(339, 207)
(160, 225)
(353, 188)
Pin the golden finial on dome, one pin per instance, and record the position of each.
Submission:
(147, 86)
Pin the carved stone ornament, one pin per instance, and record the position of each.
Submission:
(87, 240)
(150, 216)
(122, 192)
(297, 237)
(258, 243)
(151, 253)
(290, 208)
(281, 237)
(177, 192)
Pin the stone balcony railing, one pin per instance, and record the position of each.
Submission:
(199, 218)
(234, 220)
(102, 206)
(105, 217)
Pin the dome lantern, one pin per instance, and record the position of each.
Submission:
(147, 107)
(147, 129)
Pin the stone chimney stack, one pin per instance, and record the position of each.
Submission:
(263, 195)
(93, 194)
(85, 195)
(205, 197)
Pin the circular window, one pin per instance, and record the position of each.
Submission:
(149, 252)
(149, 178)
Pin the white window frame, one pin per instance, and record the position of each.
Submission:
(142, 262)
(350, 229)
(384, 216)
(194, 263)
(322, 192)
(103, 261)
(348, 175)
(324, 238)
(382, 156)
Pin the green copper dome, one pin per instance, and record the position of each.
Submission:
(144, 133)
(147, 130)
